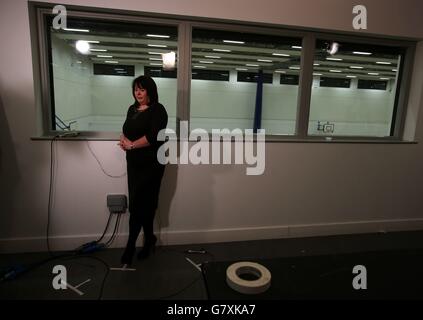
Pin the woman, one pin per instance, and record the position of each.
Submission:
(145, 118)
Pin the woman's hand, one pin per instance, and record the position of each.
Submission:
(124, 143)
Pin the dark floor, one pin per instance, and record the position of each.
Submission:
(168, 275)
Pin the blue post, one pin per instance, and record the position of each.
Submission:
(259, 101)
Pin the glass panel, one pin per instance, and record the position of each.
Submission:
(354, 89)
(92, 89)
(232, 104)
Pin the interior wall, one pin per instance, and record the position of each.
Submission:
(306, 189)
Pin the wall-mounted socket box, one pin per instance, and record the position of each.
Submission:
(117, 203)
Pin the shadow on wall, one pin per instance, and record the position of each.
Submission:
(9, 173)
(167, 192)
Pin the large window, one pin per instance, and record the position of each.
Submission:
(339, 100)
(295, 84)
(91, 89)
(234, 104)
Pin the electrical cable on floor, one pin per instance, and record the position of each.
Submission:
(181, 290)
(50, 195)
(101, 166)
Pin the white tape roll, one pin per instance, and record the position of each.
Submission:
(249, 269)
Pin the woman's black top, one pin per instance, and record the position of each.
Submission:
(144, 123)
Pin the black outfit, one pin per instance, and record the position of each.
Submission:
(144, 173)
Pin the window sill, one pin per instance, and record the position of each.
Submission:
(269, 139)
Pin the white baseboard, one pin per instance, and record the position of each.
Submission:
(37, 244)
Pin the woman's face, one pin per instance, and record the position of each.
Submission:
(141, 95)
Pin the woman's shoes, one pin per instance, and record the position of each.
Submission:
(127, 256)
(149, 247)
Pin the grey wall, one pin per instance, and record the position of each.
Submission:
(307, 188)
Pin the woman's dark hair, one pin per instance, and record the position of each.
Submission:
(147, 83)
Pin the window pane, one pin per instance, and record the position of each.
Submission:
(232, 103)
(354, 90)
(92, 90)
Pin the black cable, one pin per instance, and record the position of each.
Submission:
(101, 166)
(105, 230)
(112, 238)
(50, 195)
(104, 263)
(181, 290)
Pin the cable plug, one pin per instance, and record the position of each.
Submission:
(12, 273)
(91, 247)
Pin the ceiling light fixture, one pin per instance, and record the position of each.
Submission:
(233, 41)
(157, 45)
(332, 48)
(281, 54)
(362, 53)
(76, 30)
(82, 46)
(157, 36)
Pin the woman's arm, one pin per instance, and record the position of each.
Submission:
(127, 144)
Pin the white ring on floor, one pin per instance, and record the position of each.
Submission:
(248, 286)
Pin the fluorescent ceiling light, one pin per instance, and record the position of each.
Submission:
(280, 71)
(103, 56)
(203, 61)
(373, 73)
(317, 74)
(351, 77)
(157, 36)
(155, 64)
(157, 45)
(385, 78)
(241, 69)
(316, 64)
(334, 59)
(111, 61)
(382, 62)
(296, 47)
(335, 71)
(395, 70)
(233, 41)
(294, 68)
(77, 30)
(98, 50)
(252, 65)
(362, 53)
(264, 60)
(155, 59)
(154, 53)
(281, 54)
(92, 41)
(222, 50)
(201, 67)
(212, 57)
(356, 67)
